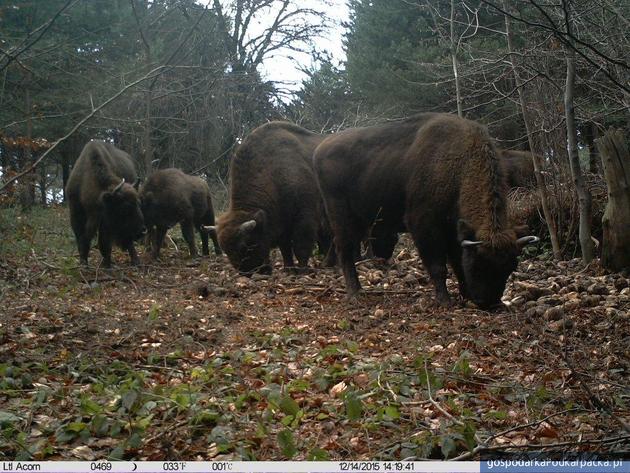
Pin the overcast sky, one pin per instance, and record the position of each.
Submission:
(284, 67)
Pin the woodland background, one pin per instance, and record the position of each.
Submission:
(188, 87)
(183, 359)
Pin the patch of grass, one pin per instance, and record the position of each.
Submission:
(41, 232)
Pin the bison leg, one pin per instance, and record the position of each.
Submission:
(215, 242)
(287, 253)
(432, 250)
(133, 255)
(331, 256)
(347, 239)
(205, 249)
(304, 236)
(455, 260)
(105, 246)
(188, 232)
(84, 231)
(159, 233)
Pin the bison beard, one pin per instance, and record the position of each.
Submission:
(169, 197)
(442, 177)
(101, 199)
(274, 200)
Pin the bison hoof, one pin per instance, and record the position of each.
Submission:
(355, 298)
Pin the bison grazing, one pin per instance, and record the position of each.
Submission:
(169, 197)
(101, 198)
(274, 200)
(519, 168)
(442, 177)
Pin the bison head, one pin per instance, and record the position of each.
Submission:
(244, 238)
(487, 266)
(122, 214)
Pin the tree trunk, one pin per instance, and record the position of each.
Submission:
(458, 93)
(536, 158)
(616, 221)
(583, 194)
(27, 186)
(590, 133)
(43, 185)
(65, 172)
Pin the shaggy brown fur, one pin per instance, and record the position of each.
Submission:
(519, 173)
(439, 174)
(519, 167)
(97, 201)
(169, 197)
(273, 188)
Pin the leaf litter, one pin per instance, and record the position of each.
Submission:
(184, 359)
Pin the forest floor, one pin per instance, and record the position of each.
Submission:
(184, 359)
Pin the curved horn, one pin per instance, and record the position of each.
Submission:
(247, 226)
(467, 243)
(209, 228)
(119, 186)
(527, 240)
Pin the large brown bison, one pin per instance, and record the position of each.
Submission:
(443, 178)
(519, 168)
(274, 199)
(169, 197)
(102, 197)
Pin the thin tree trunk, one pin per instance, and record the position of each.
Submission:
(536, 159)
(148, 98)
(27, 191)
(148, 145)
(43, 186)
(583, 194)
(65, 172)
(458, 93)
(590, 133)
(616, 221)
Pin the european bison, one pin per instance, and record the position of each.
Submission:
(169, 197)
(439, 174)
(102, 197)
(274, 200)
(519, 168)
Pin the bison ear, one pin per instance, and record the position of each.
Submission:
(261, 217)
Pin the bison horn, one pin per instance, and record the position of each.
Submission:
(119, 186)
(247, 226)
(209, 228)
(527, 240)
(467, 243)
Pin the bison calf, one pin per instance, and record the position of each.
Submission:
(170, 197)
(101, 198)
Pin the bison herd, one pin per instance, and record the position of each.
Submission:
(437, 176)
